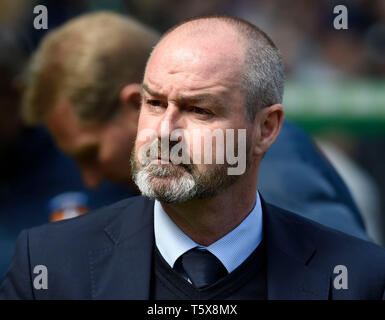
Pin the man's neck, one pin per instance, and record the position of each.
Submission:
(207, 220)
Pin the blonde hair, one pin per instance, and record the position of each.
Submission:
(88, 61)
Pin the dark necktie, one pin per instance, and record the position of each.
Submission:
(202, 267)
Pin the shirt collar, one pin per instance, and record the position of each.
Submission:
(231, 250)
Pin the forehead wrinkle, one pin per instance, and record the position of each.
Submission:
(193, 83)
(202, 64)
(191, 94)
(210, 56)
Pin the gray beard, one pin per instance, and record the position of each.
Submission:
(177, 184)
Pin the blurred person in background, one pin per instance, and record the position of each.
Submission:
(84, 85)
(38, 184)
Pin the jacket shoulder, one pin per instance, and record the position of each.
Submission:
(332, 244)
(63, 248)
(79, 229)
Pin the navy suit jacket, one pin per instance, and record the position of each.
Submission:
(108, 254)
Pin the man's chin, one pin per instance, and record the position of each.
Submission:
(165, 181)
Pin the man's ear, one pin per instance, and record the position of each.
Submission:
(268, 123)
(130, 96)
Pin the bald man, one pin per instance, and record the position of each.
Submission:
(95, 121)
(211, 108)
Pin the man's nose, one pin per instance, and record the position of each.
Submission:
(170, 120)
(92, 177)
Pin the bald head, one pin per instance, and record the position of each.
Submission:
(205, 54)
(231, 46)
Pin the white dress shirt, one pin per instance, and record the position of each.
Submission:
(231, 250)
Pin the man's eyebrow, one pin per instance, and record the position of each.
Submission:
(193, 98)
(202, 97)
(152, 92)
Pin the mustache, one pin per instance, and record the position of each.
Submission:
(161, 149)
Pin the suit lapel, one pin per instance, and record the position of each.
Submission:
(123, 269)
(290, 251)
(289, 279)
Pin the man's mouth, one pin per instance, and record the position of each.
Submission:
(166, 160)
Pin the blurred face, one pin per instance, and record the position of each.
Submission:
(191, 85)
(101, 151)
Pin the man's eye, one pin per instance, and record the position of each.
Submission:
(199, 111)
(154, 103)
